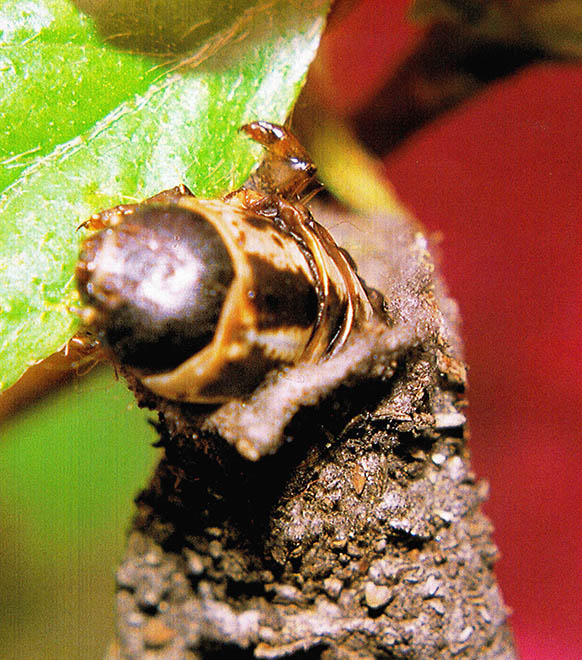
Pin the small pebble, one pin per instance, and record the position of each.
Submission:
(214, 532)
(376, 572)
(215, 549)
(153, 558)
(333, 587)
(135, 619)
(438, 459)
(431, 586)
(358, 478)
(377, 596)
(195, 565)
(266, 577)
(438, 607)
(445, 516)
(449, 420)
(286, 593)
(156, 634)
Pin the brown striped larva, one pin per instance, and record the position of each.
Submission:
(201, 299)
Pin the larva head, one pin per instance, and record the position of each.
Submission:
(154, 285)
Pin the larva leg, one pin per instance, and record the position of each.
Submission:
(107, 218)
(287, 169)
(113, 216)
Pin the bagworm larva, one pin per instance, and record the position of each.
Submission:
(200, 299)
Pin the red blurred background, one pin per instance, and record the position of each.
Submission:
(499, 177)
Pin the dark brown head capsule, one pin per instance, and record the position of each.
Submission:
(155, 285)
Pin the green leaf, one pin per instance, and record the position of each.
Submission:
(70, 466)
(86, 127)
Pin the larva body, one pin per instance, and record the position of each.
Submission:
(201, 299)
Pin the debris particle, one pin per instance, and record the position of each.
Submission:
(438, 459)
(377, 596)
(358, 477)
(333, 587)
(156, 634)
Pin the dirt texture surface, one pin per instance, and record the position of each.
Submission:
(360, 537)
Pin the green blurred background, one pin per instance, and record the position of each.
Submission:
(70, 467)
